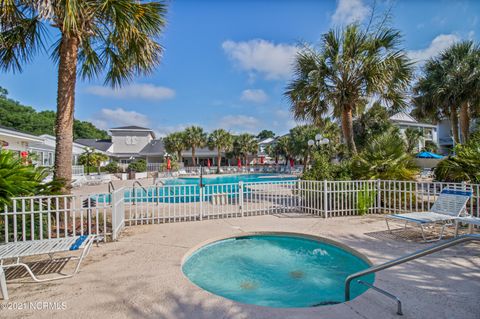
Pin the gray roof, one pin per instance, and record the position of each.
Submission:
(101, 145)
(155, 147)
(204, 151)
(131, 127)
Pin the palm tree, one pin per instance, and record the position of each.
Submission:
(245, 144)
(463, 64)
(384, 157)
(175, 143)
(412, 137)
(351, 67)
(299, 137)
(195, 138)
(115, 38)
(432, 96)
(283, 147)
(222, 141)
(450, 87)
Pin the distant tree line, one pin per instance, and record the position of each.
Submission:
(26, 119)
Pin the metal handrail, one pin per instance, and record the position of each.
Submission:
(404, 259)
(138, 183)
(111, 187)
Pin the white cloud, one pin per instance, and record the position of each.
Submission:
(141, 91)
(272, 60)
(440, 43)
(240, 123)
(254, 95)
(167, 129)
(108, 118)
(349, 11)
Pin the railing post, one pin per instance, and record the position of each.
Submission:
(379, 195)
(201, 202)
(113, 202)
(240, 198)
(325, 199)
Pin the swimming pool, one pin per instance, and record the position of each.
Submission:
(187, 189)
(229, 179)
(276, 270)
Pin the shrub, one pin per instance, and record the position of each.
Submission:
(19, 179)
(384, 157)
(365, 200)
(464, 166)
(323, 169)
(138, 166)
(112, 167)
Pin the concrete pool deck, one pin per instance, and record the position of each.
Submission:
(139, 276)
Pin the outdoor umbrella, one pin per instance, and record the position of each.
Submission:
(429, 155)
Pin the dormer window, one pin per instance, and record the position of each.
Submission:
(131, 140)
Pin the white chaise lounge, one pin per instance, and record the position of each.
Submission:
(11, 255)
(469, 220)
(450, 205)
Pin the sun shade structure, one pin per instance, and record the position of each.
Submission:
(428, 155)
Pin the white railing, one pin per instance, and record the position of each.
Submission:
(43, 217)
(78, 170)
(171, 203)
(154, 167)
(118, 212)
(190, 170)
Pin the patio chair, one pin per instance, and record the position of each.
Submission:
(469, 220)
(13, 253)
(450, 204)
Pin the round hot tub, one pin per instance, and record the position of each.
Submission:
(276, 269)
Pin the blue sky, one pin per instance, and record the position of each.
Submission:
(226, 63)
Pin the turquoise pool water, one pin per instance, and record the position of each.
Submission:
(275, 271)
(187, 190)
(228, 179)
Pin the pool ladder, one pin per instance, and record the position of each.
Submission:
(401, 260)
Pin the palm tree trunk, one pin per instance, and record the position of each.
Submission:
(347, 129)
(179, 154)
(193, 156)
(465, 121)
(67, 74)
(219, 160)
(454, 124)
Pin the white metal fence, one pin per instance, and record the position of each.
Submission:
(171, 203)
(117, 199)
(42, 217)
(45, 217)
(78, 170)
(159, 167)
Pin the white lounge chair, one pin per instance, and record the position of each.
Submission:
(450, 204)
(11, 255)
(469, 220)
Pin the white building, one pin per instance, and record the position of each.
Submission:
(404, 121)
(17, 141)
(42, 146)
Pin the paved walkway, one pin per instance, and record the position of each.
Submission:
(140, 277)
